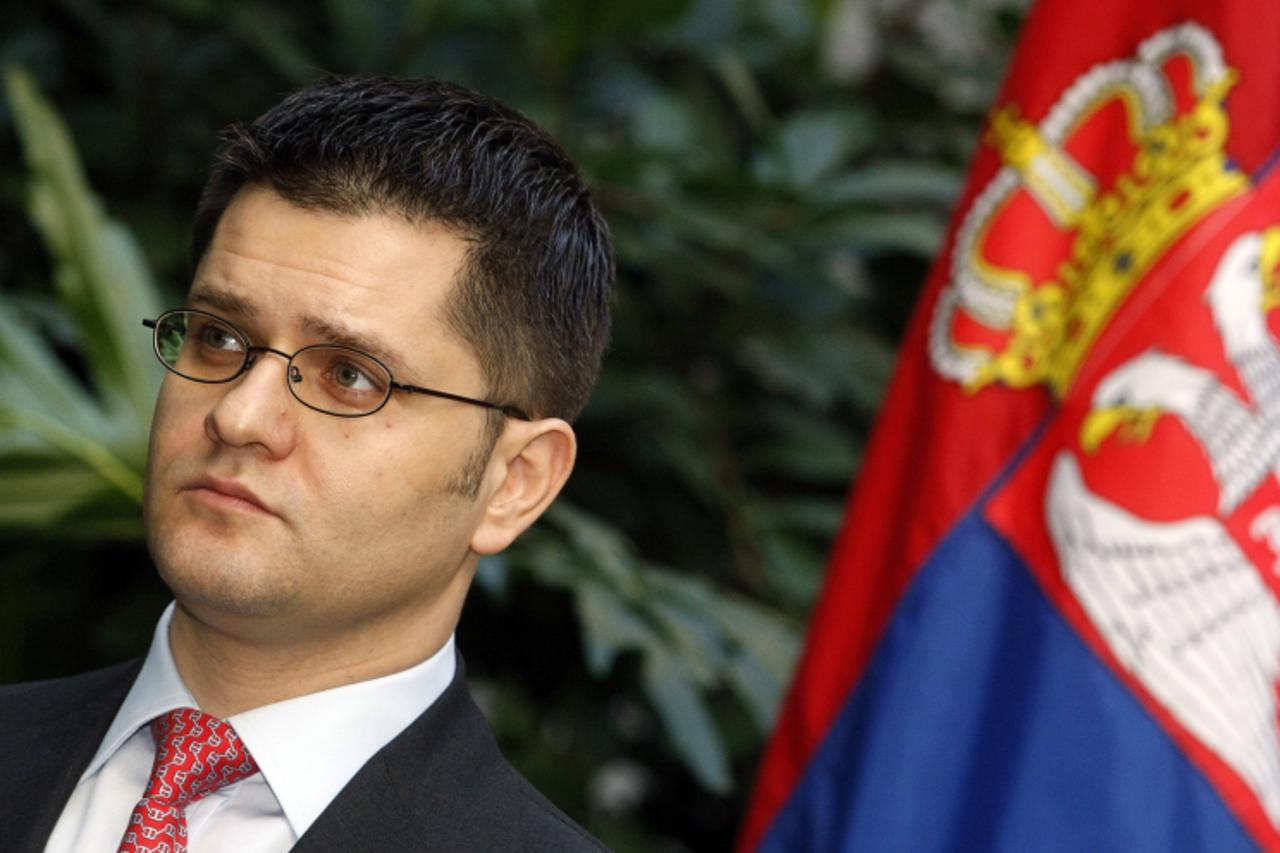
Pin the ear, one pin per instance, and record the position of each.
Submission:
(529, 466)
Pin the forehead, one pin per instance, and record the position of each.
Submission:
(376, 281)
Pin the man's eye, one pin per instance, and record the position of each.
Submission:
(216, 337)
(349, 376)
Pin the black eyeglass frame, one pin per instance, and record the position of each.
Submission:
(251, 350)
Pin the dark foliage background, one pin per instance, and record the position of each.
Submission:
(777, 174)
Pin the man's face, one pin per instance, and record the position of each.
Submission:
(259, 508)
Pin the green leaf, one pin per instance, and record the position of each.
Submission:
(755, 649)
(102, 281)
(736, 74)
(758, 688)
(31, 378)
(673, 690)
(610, 627)
(893, 183)
(61, 446)
(812, 144)
(821, 366)
(770, 643)
(697, 640)
(917, 234)
(88, 449)
(549, 559)
(44, 491)
(662, 121)
(600, 544)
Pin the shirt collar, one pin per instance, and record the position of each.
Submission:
(350, 723)
(158, 688)
(308, 748)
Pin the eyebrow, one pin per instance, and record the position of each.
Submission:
(326, 331)
(220, 300)
(330, 332)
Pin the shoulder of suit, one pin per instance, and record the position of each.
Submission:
(35, 701)
(546, 828)
(514, 815)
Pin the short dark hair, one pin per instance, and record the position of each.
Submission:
(533, 299)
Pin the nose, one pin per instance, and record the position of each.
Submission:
(255, 410)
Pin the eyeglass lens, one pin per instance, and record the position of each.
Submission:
(331, 379)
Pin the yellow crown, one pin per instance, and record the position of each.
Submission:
(1177, 177)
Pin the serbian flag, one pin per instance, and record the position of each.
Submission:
(1051, 619)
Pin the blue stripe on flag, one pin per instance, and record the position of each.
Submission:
(984, 723)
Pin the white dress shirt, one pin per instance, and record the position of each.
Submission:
(307, 748)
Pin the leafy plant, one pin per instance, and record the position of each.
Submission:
(71, 456)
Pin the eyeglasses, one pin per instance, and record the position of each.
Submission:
(329, 378)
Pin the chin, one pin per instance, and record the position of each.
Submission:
(222, 581)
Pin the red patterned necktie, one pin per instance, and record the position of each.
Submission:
(196, 754)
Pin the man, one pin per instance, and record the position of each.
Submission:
(400, 302)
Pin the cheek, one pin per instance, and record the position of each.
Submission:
(167, 427)
(394, 477)
(347, 477)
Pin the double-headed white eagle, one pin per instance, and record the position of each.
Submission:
(1179, 603)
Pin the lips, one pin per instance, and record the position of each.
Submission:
(228, 494)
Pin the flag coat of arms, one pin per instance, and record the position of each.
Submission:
(1050, 621)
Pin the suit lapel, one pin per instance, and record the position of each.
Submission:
(441, 785)
(49, 731)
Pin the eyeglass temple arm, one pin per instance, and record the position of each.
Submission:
(509, 411)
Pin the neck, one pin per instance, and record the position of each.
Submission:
(229, 671)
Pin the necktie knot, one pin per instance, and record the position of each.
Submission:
(196, 754)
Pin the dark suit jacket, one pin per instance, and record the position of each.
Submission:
(441, 785)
